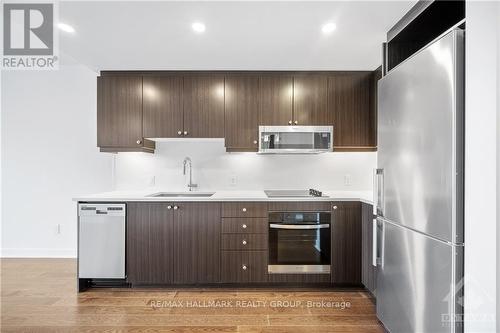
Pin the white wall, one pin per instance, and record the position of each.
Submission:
(481, 150)
(49, 154)
(214, 169)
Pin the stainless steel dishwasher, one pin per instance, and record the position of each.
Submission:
(101, 241)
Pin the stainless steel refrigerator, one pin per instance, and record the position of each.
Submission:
(419, 190)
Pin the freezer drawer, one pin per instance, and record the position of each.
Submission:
(101, 241)
(418, 286)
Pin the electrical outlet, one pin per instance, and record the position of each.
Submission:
(347, 180)
(152, 181)
(58, 229)
(233, 180)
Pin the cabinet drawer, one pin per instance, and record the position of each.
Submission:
(244, 209)
(302, 206)
(232, 225)
(244, 266)
(244, 242)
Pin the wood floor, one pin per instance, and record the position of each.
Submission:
(39, 295)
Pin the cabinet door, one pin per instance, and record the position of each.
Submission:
(149, 243)
(352, 115)
(276, 93)
(244, 266)
(197, 242)
(162, 106)
(242, 113)
(204, 106)
(119, 112)
(310, 99)
(368, 271)
(346, 243)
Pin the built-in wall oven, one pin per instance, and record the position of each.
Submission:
(299, 242)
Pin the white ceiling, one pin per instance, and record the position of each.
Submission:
(126, 35)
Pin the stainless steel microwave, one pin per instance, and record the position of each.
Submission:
(295, 139)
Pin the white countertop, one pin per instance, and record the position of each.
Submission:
(144, 195)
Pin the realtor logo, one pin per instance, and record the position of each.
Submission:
(29, 39)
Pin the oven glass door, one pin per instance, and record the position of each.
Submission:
(299, 242)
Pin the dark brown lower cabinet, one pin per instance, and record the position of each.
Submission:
(196, 242)
(368, 271)
(244, 266)
(149, 243)
(346, 243)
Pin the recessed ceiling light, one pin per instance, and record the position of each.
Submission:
(328, 28)
(66, 27)
(198, 27)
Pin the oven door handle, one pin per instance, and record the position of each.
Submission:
(300, 227)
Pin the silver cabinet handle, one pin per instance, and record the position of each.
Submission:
(139, 142)
(244, 226)
(254, 142)
(244, 210)
(185, 132)
(295, 122)
(179, 132)
(289, 122)
(334, 207)
(169, 207)
(244, 267)
(176, 207)
(244, 242)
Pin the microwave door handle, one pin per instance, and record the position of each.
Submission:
(299, 227)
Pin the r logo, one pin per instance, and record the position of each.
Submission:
(28, 29)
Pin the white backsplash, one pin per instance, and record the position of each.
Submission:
(214, 169)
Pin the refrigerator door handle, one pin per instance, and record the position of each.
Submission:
(378, 192)
(374, 242)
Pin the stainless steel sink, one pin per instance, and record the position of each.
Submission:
(181, 195)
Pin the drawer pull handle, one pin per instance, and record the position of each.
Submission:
(244, 267)
(244, 242)
(244, 210)
(244, 226)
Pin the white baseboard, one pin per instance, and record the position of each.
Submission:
(37, 253)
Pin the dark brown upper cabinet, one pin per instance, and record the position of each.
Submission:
(276, 100)
(162, 106)
(204, 106)
(352, 113)
(242, 112)
(119, 114)
(310, 99)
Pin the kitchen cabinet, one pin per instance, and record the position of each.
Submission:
(149, 243)
(310, 99)
(276, 100)
(353, 114)
(244, 266)
(204, 106)
(346, 243)
(241, 112)
(368, 271)
(162, 106)
(196, 242)
(244, 209)
(119, 115)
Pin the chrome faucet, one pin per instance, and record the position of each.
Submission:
(187, 161)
